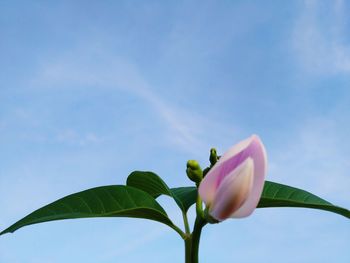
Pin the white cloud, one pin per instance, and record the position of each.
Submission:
(184, 128)
(319, 37)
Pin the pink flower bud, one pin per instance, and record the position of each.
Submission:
(233, 186)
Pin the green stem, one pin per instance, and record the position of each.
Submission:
(192, 240)
(179, 231)
(188, 247)
(187, 227)
(196, 235)
(199, 207)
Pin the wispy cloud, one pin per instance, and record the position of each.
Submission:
(185, 128)
(319, 37)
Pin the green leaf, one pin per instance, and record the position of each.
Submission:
(279, 195)
(148, 182)
(186, 195)
(105, 201)
(155, 186)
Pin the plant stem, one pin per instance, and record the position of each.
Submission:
(192, 240)
(187, 227)
(179, 231)
(196, 235)
(199, 207)
(188, 247)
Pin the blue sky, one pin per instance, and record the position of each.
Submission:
(91, 91)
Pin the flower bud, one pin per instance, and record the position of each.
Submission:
(213, 156)
(233, 186)
(194, 171)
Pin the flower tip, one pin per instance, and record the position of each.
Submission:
(255, 137)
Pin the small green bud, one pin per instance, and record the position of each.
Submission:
(194, 171)
(213, 156)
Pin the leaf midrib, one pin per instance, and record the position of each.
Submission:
(88, 215)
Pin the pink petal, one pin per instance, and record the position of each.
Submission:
(227, 163)
(233, 191)
(251, 147)
(258, 154)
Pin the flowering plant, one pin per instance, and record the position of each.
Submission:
(231, 187)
